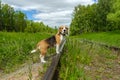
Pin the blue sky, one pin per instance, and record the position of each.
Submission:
(51, 12)
(30, 14)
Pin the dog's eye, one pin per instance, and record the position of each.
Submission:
(61, 28)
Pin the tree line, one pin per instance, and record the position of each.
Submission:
(101, 16)
(11, 20)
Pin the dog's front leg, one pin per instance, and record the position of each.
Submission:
(57, 48)
(42, 58)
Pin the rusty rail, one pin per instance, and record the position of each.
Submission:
(104, 45)
(52, 68)
(51, 71)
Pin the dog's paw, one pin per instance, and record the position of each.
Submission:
(43, 61)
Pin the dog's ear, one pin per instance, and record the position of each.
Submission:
(67, 30)
(60, 29)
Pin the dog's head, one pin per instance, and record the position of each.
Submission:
(63, 30)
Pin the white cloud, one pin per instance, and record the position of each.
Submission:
(51, 12)
(59, 17)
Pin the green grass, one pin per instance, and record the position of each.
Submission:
(84, 61)
(110, 38)
(80, 60)
(15, 48)
(73, 61)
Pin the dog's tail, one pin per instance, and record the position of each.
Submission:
(33, 51)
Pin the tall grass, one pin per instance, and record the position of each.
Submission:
(79, 57)
(15, 48)
(73, 61)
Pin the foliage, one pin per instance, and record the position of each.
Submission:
(100, 16)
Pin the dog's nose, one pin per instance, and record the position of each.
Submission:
(64, 30)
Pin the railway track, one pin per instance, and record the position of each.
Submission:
(102, 44)
(52, 71)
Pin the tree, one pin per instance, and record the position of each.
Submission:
(103, 8)
(83, 19)
(0, 16)
(19, 21)
(91, 18)
(7, 17)
(114, 16)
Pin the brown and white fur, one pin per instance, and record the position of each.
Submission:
(57, 40)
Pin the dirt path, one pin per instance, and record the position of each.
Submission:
(28, 72)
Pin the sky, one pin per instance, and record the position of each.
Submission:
(50, 12)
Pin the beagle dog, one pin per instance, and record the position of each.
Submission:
(57, 40)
